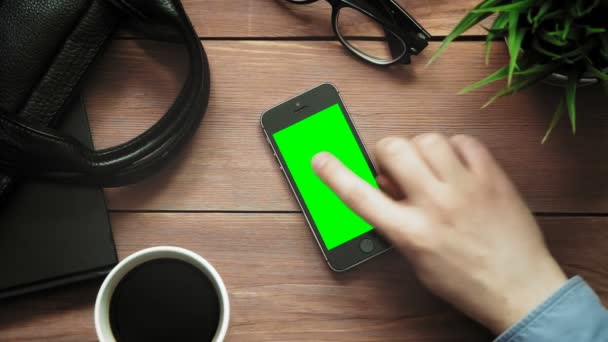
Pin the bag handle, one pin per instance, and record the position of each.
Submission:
(43, 152)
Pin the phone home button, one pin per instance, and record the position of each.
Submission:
(366, 245)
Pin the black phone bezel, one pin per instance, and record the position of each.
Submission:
(349, 254)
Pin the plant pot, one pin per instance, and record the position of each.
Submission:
(561, 80)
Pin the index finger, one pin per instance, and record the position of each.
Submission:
(370, 203)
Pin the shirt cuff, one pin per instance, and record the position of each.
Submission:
(573, 313)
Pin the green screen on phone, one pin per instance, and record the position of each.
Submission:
(326, 131)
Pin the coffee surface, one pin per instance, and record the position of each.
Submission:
(164, 300)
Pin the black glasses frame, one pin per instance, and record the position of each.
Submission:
(405, 36)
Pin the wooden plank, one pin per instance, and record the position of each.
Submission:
(229, 167)
(282, 290)
(278, 18)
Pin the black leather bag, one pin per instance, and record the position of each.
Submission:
(46, 47)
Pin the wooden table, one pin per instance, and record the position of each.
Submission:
(226, 199)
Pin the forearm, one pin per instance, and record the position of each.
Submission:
(573, 313)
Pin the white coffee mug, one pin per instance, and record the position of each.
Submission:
(102, 304)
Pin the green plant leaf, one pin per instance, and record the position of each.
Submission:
(515, 6)
(580, 52)
(504, 72)
(598, 73)
(594, 30)
(602, 76)
(498, 25)
(550, 16)
(536, 45)
(572, 56)
(497, 75)
(524, 80)
(573, 33)
(573, 77)
(536, 69)
(544, 8)
(583, 7)
(469, 20)
(559, 112)
(551, 38)
(566, 30)
(604, 49)
(516, 37)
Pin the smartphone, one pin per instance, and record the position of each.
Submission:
(298, 129)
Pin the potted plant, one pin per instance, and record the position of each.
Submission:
(551, 40)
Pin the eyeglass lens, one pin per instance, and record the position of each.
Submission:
(366, 37)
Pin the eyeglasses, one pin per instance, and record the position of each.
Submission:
(395, 35)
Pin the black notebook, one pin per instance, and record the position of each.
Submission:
(54, 234)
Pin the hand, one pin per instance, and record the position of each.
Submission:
(457, 217)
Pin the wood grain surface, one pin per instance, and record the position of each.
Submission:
(279, 18)
(225, 198)
(229, 167)
(282, 290)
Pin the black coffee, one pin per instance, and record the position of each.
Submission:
(164, 300)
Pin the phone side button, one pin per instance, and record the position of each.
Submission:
(366, 245)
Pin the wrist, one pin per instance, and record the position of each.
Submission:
(520, 299)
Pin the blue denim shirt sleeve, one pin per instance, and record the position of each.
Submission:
(573, 313)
